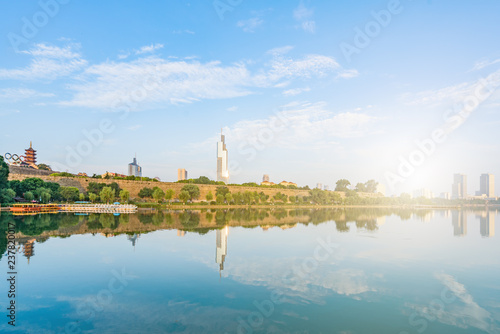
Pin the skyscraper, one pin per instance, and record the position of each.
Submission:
(182, 174)
(487, 185)
(222, 169)
(265, 178)
(459, 187)
(134, 169)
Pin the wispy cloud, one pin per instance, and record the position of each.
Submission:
(16, 94)
(296, 91)
(479, 65)
(149, 49)
(304, 123)
(304, 16)
(251, 24)
(48, 62)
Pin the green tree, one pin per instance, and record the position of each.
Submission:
(107, 194)
(184, 196)
(193, 190)
(7, 195)
(82, 197)
(29, 196)
(360, 187)
(158, 194)
(124, 195)
(228, 198)
(209, 196)
(342, 185)
(45, 197)
(169, 194)
(44, 167)
(146, 192)
(4, 175)
(93, 197)
(371, 186)
(70, 193)
(219, 199)
(222, 190)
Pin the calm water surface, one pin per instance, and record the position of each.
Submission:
(256, 271)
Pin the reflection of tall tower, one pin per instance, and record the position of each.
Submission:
(221, 247)
(222, 164)
(459, 221)
(181, 233)
(487, 223)
(29, 249)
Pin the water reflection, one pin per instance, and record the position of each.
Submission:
(221, 247)
(487, 223)
(459, 221)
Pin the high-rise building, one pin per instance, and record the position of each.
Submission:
(487, 185)
(222, 163)
(423, 192)
(221, 247)
(182, 174)
(265, 178)
(445, 195)
(319, 186)
(134, 169)
(459, 187)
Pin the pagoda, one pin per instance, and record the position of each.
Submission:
(30, 156)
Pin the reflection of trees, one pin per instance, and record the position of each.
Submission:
(158, 218)
(189, 219)
(145, 218)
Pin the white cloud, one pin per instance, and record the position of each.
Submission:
(295, 91)
(454, 94)
(233, 108)
(149, 49)
(479, 65)
(250, 25)
(16, 94)
(48, 62)
(462, 312)
(135, 127)
(301, 125)
(304, 15)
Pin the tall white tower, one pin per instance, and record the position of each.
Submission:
(222, 168)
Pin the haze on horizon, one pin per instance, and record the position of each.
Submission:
(305, 91)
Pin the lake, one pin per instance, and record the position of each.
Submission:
(255, 271)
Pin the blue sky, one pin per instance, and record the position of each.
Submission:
(281, 78)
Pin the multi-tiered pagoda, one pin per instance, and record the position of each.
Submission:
(30, 156)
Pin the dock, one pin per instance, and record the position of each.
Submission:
(30, 209)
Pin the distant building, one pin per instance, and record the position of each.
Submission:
(182, 174)
(445, 195)
(265, 178)
(319, 186)
(110, 174)
(487, 185)
(267, 183)
(222, 160)
(424, 192)
(134, 169)
(459, 187)
(325, 187)
(286, 183)
(82, 174)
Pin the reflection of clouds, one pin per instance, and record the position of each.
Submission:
(307, 287)
(173, 316)
(462, 312)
